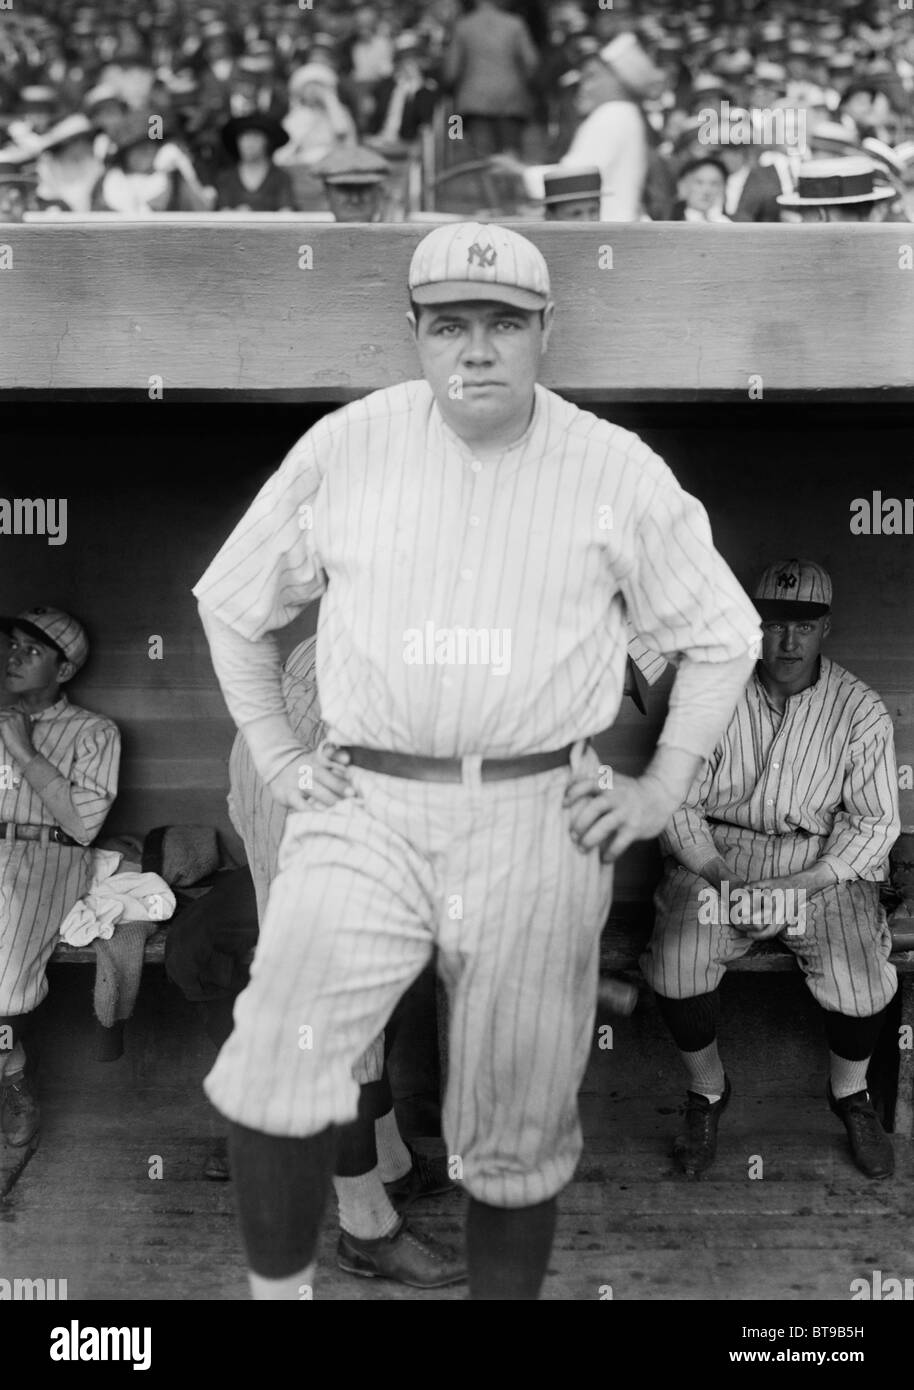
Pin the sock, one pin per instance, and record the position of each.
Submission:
(365, 1208)
(293, 1286)
(508, 1250)
(847, 1078)
(13, 1061)
(706, 1071)
(281, 1187)
(394, 1159)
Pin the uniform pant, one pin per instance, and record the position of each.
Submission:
(366, 889)
(843, 950)
(39, 884)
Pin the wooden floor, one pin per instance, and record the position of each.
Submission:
(83, 1206)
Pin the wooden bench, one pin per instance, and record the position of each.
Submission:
(624, 938)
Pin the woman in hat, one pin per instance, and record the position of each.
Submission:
(68, 170)
(254, 183)
(317, 124)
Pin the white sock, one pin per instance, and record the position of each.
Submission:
(294, 1286)
(365, 1208)
(12, 1061)
(847, 1078)
(393, 1156)
(706, 1072)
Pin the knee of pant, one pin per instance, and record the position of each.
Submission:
(692, 1022)
(853, 1038)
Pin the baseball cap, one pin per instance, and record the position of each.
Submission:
(477, 260)
(791, 590)
(56, 629)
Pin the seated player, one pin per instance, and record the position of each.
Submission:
(377, 1175)
(59, 766)
(800, 795)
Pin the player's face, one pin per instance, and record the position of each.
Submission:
(790, 650)
(481, 361)
(6, 696)
(31, 667)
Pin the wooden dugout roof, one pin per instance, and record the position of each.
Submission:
(683, 313)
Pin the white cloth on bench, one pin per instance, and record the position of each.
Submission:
(114, 897)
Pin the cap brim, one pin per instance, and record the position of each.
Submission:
(353, 180)
(467, 291)
(32, 630)
(791, 200)
(788, 610)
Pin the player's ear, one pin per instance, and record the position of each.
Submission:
(65, 672)
(411, 320)
(548, 318)
(826, 626)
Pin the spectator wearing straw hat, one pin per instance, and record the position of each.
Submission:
(841, 189)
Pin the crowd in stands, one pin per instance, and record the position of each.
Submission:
(704, 112)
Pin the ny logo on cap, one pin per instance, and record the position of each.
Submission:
(787, 581)
(482, 255)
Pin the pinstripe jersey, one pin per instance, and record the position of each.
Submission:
(39, 884)
(85, 748)
(471, 606)
(816, 782)
(258, 818)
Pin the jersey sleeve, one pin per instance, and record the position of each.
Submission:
(868, 821)
(93, 774)
(268, 569)
(681, 596)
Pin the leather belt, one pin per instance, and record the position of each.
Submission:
(422, 769)
(36, 832)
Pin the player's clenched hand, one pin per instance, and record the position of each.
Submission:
(15, 733)
(320, 778)
(635, 808)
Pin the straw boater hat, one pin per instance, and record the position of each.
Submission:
(76, 127)
(635, 70)
(836, 182)
(571, 185)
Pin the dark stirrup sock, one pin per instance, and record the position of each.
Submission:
(508, 1250)
(853, 1038)
(692, 1022)
(357, 1151)
(281, 1188)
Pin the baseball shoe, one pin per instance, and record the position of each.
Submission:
(419, 1261)
(871, 1147)
(696, 1150)
(428, 1177)
(19, 1112)
(216, 1168)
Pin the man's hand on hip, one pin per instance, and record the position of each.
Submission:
(634, 808)
(319, 778)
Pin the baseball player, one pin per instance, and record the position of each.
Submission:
(479, 544)
(801, 796)
(376, 1174)
(59, 766)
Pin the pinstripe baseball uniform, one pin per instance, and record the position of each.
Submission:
(469, 609)
(261, 821)
(783, 791)
(40, 883)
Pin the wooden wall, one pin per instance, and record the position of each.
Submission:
(228, 307)
(152, 492)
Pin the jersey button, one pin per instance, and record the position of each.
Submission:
(474, 520)
(476, 466)
(775, 766)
